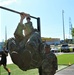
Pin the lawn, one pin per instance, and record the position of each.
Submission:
(16, 71)
(62, 59)
(66, 59)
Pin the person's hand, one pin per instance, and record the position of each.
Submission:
(23, 15)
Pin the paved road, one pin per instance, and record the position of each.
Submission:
(9, 61)
(67, 71)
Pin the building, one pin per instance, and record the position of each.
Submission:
(51, 41)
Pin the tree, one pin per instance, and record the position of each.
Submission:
(72, 32)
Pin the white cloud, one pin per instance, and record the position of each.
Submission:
(6, 2)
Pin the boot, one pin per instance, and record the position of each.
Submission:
(9, 73)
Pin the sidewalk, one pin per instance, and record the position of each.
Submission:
(67, 71)
(9, 61)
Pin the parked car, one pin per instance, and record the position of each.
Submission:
(54, 50)
(1, 47)
(65, 48)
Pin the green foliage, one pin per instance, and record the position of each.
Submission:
(72, 32)
(71, 49)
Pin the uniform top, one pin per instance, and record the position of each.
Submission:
(28, 28)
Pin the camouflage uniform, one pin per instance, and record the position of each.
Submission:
(49, 65)
(28, 30)
(27, 27)
(28, 55)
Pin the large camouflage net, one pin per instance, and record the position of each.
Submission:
(28, 56)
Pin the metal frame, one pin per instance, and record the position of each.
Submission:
(37, 18)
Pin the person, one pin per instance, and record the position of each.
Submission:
(49, 66)
(3, 61)
(29, 31)
(27, 27)
(25, 44)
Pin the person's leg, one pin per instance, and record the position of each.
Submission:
(8, 70)
(40, 70)
(0, 63)
(0, 67)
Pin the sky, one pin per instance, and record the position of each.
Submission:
(49, 11)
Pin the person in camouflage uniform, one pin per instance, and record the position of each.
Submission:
(30, 33)
(27, 27)
(28, 51)
(25, 47)
(49, 65)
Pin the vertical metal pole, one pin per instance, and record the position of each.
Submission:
(70, 27)
(63, 25)
(38, 25)
(5, 33)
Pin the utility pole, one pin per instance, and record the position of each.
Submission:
(5, 33)
(70, 27)
(63, 25)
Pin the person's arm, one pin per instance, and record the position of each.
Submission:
(19, 30)
(6, 53)
(22, 15)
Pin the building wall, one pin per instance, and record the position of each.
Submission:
(52, 41)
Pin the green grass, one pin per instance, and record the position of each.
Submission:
(16, 71)
(66, 59)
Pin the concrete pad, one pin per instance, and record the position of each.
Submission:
(67, 71)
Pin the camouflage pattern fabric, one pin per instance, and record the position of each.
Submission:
(27, 52)
(28, 28)
(21, 46)
(30, 58)
(49, 65)
(18, 34)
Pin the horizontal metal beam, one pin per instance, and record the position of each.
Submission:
(15, 11)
